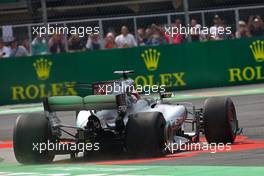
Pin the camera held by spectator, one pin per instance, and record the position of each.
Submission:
(56, 44)
(94, 42)
(157, 37)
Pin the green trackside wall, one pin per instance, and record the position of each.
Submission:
(185, 66)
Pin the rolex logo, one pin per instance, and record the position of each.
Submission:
(257, 48)
(42, 67)
(151, 58)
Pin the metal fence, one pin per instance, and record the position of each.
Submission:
(232, 16)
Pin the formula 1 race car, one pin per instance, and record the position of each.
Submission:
(136, 125)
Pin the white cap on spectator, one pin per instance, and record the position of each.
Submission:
(242, 23)
(256, 20)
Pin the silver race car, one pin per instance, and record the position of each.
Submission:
(121, 120)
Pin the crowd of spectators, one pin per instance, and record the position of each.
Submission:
(151, 36)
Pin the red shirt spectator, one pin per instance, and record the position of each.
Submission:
(176, 38)
(110, 41)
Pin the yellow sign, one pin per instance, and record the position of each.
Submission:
(250, 73)
(151, 58)
(257, 48)
(42, 67)
(38, 91)
(167, 79)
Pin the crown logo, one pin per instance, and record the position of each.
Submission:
(42, 67)
(257, 49)
(151, 58)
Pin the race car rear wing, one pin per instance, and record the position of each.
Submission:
(77, 103)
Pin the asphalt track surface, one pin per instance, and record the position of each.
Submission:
(248, 149)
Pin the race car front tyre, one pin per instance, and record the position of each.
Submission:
(30, 131)
(220, 121)
(145, 134)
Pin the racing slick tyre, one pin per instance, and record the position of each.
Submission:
(145, 134)
(31, 129)
(220, 121)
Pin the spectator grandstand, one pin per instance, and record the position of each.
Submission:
(122, 24)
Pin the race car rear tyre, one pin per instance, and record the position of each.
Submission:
(31, 130)
(145, 134)
(220, 121)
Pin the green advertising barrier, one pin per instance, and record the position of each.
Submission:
(185, 66)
